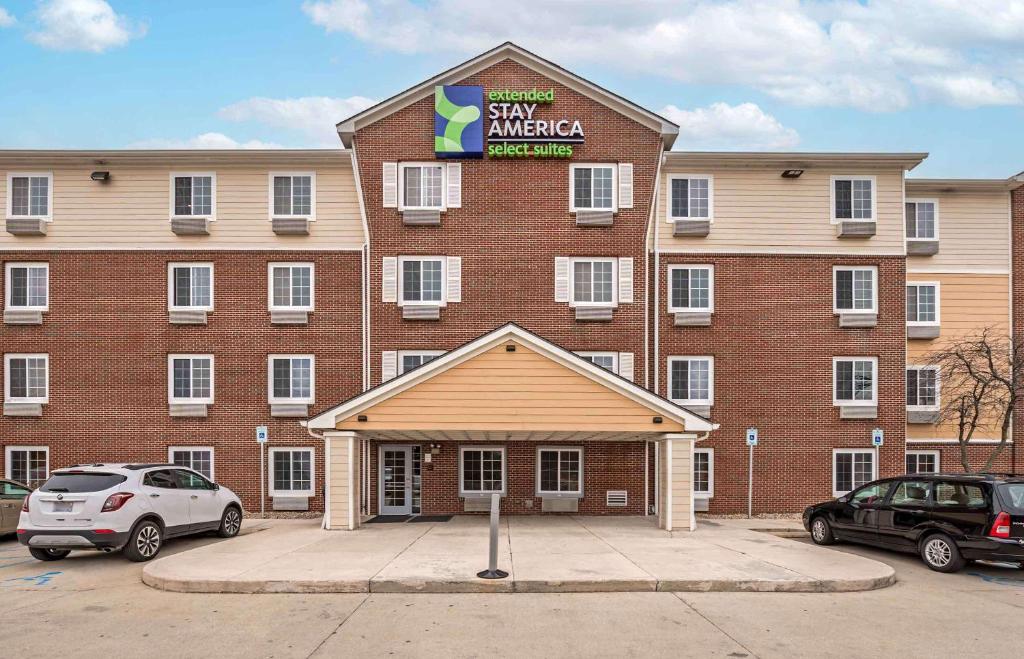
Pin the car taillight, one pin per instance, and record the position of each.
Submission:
(24, 505)
(1001, 527)
(115, 501)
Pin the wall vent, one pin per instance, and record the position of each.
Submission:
(616, 498)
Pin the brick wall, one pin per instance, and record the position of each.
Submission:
(108, 339)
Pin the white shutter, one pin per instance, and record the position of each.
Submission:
(454, 185)
(390, 183)
(389, 279)
(626, 280)
(561, 279)
(455, 279)
(625, 185)
(388, 365)
(626, 365)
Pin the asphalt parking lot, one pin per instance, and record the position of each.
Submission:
(93, 604)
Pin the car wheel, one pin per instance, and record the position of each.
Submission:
(144, 542)
(821, 531)
(48, 554)
(230, 522)
(941, 554)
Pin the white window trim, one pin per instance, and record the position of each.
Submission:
(270, 380)
(402, 166)
(710, 400)
(711, 287)
(615, 281)
(42, 400)
(49, 196)
(504, 472)
(213, 195)
(414, 353)
(669, 217)
(835, 472)
(938, 305)
(602, 353)
(443, 302)
(10, 449)
(936, 454)
(590, 165)
(874, 288)
(853, 177)
(938, 388)
(170, 380)
(711, 474)
(311, 492)
(874, 383)
(7, 284)
(172, 449)
(312, 196)
(270, 285)
(170, 285)
(573, 494)
(923, 200)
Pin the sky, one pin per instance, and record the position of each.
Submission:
(938, 76)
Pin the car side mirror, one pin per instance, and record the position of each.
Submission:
(844, 499)
(216, 486)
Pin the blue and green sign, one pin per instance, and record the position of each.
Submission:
(459, 121)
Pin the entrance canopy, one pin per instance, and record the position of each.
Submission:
(509, 385)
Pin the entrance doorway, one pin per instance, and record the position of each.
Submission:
(395, 470)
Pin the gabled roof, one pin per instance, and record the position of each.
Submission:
(510, 51)
(690, 421)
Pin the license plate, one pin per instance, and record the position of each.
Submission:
(62, 506)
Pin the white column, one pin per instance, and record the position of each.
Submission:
(676, 481)
(342, 473)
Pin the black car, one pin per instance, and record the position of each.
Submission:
(949, 519)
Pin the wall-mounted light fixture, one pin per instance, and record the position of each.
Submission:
(361, 417)
(103, 177)
(792, 173)
(510, 347)
(657, 419)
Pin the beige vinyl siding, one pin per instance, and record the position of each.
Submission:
(756, 210)
(974, 229)
(133, 209)
(343, 494)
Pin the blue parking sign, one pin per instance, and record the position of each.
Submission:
(262, 435)
(877, 437)
(751, 436)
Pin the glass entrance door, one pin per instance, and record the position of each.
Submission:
(395, 480)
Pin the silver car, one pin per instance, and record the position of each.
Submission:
(12, 496)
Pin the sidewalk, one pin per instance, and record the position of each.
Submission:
(541, 554)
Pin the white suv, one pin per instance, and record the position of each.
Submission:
(131, 506)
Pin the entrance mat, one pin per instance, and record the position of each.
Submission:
(431, 518)
(388, 519)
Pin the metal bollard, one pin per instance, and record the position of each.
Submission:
(492, 571)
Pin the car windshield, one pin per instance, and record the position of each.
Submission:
(81, 482)
(1012, 495)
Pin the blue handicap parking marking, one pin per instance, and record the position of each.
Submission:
(1012, 582)
(35, 580)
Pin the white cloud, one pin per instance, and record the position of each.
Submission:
(89, 25)
(6, 19)
(313, 116)
(724, 126)
(877, 55)
(203, 141)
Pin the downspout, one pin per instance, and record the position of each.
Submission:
(657, 292)
(366, 268)
(327, 472)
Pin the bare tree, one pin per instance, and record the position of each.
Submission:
(981, 387)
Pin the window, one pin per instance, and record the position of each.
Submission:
(422, 280)
(190, 378)
(592, 282)
(961, 495)
(190, 286)
(872, 493)
(26, 378)
(190, 481)
(481, 470)
(199, 458)
(854, 380)
(291, 286)
(292, 378)
(922, 462)
(422, 187)
(193, 195)
(12, 491)
(854, 289)
(853, 198)
(27, 286)
(293, 195)
(691, 288)
(291, 472)
(690, 197)
(27, 464)
(691, 380)
(162, 478)
(593, 187)
(922, 387)
(608, 360)
(923, 303)
(922, 219)
(912, 493)
(30, 195)
(704, 473)
(851, 468)
(559, 471)
(409, 359)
